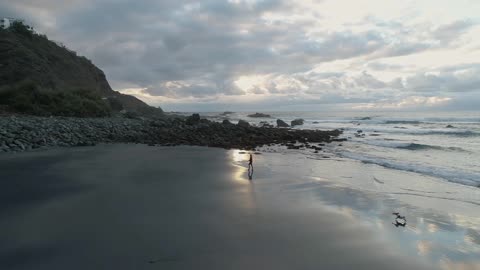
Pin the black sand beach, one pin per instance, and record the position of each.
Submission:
(140, 207)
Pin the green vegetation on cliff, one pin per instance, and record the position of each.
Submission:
(38, 76)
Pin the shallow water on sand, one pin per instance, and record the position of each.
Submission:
(139, 207)
(442, 218)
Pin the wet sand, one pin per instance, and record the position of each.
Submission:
(140, 207)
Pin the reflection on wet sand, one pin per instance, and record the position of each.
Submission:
(449, 241)
(154, 211)
(443, 217)
(238, 158)
(247, 199)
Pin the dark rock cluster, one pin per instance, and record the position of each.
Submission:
(259, 115)
(23, 133)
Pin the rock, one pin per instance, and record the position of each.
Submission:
(359, 131)
(281, 123)
(4, 148)
(225, 113)
(450, 126)
(315, 122)
(259, 115)
(297, 122)
(29, 132)
(193, 119)
(156, 123)
(243, 123)
(19, 144)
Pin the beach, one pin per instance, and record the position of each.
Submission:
(132, 206)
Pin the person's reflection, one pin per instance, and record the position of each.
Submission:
(250, 167)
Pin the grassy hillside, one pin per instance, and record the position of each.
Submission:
(38, 76)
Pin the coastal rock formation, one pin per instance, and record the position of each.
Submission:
(259, 115)
(297, 122)
(29, 132)
(281, 123)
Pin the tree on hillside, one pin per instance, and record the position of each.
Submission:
(21, 28)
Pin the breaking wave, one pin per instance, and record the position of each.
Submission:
(449, 174)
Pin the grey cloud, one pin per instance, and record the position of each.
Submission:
(187, 47)
(342, 82)
(451, 31)
(463, 78)
(379, 66)
(193, 89)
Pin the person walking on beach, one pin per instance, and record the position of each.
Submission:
(250, 167)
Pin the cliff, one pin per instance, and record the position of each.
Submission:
(39, 76)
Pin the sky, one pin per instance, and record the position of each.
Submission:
(267, 55)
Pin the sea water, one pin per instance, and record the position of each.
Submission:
(441, 145)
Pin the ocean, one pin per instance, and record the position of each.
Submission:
(445, 146)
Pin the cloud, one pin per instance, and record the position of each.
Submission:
(451, 31)
(464, 78)
(269, 52)
(405, 103)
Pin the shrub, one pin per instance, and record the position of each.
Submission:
(29, 99)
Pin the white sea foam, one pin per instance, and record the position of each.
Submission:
(449, 174)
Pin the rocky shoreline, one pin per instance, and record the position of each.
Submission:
(25, 133)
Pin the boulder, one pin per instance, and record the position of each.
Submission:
(243, 123)
(297, 122)
(281, 123)
(450, 126)
(193, 119)
(226, 122)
